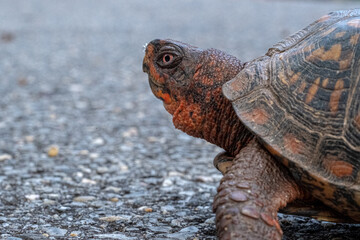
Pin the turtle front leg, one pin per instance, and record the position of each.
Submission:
(250, 194)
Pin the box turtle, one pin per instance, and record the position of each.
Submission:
(289, 123)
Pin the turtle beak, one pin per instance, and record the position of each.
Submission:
(156, 80)
(145, 66)
(150, 51)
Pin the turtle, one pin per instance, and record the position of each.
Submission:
(288, 121)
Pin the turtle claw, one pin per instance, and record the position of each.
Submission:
(223, 161)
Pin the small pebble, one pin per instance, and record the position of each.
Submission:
(84, 199)
(48, 202)
(204, 179)
(191, 229)
(102, 170)
(167, 182)
(131, 132)
(93, 155)
(4, 157)
(167, 208)
(123, 167)
(176, 223)
(113, 189)
(88, 181)
(29, 138)
(111, 218)
(32, 197)
(98, 142)
(53, 151)
(84, 152)
(56, 232)
(145, 209)
(210, 221)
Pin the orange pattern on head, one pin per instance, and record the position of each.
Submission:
(150, 51)
(164, 96)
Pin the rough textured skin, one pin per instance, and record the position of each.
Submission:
(191, 90)
(302, 99)
(289, 121)
(246, 205)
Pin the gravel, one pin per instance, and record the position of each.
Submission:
(86, 151)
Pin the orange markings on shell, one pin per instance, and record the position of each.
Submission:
(325, 82)
(357, 121)
(302, 87)
(354, 23)
(324, 18)
(345, 64)
(339, 34)
(328, 32)
(295, 77)
(237, 86)
(293, 144)
(312, 90)
(354, 39)
(309, 48)
(335, 96)
(283, 78)
(337, 167)
(258, 116)
(320, 54)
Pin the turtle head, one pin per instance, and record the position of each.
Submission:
(170, 66)
(188, 80)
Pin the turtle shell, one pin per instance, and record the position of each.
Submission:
(302, 100)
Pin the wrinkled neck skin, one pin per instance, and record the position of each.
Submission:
(205, 112)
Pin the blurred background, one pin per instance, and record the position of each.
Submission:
(86, 151)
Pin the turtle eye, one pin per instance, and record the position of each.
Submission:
(167, 58)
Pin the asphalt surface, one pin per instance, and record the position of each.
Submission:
(86, 151)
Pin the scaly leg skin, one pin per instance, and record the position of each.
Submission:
(223, 161)
(250, 195)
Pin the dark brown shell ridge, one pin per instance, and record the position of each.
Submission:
(318, 25)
